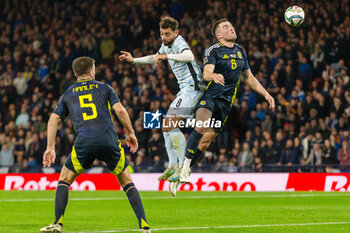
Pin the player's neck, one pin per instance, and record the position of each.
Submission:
(84, 78)
(226, 43)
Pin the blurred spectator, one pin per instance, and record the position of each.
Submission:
(317, 58)
(21, 85)
(23, 117)
(222, 163)
(307, 144)
(156, 151)
(232, 165)
(344, 156)
(328, 156)
(34, 147)
(248, 96)
(315, 156)
(245, 158)
(6, 155)
(107, 47)
(288, 156)
(304, 71)
(258, 164)
(267, 124)
(271, 153)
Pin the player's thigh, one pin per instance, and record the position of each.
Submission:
(203, 114)
(114, 157)
(80, 159)
(205, 107)
(67, 175)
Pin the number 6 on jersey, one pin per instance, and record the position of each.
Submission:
(88, 105)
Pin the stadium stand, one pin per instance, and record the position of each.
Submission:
(305, 69)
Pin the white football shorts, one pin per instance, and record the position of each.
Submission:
(184, 103)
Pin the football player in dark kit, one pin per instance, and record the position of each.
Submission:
(89, 104)
(223, 62)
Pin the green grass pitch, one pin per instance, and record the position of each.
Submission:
(202, 212)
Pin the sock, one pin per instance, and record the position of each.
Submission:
(61, 201)
(187, 164)
(170, 150)
(196, 157)
(192, 144)
(136, 204)
(179, 144)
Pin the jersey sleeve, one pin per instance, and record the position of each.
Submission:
(111, 96)
(182, 46)
(246, 64)
(209, 56)
(62, 108)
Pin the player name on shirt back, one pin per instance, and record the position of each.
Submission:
(85, 88)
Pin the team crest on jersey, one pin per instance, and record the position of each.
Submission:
(203, 102)
(205, 60)
(239, 54)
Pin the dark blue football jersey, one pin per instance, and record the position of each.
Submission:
(230, 62)
(89, 104)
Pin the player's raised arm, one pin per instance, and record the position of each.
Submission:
(126, 56)
(50, 154)
(209, 75)
(124, 118)
(256, 86)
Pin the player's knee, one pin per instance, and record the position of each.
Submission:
(124, 178)
(204, 144)
(168, 124)
(167, 128)
(64, 183)
(67, 175)
(205, 141)
(65, 180)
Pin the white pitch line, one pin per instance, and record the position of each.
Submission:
(184, 197)
(221, 227)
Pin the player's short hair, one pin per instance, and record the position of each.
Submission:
(169, 22)
(216, 24)
(82, 65)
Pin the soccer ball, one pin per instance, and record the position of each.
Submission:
(294, 15)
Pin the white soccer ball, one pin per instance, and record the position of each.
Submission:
(294, 15)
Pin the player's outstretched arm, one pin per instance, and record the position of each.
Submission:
(186, 56)
(124, 118)
(50, 154)
(256, 86)
(209, 75)
(126, 56)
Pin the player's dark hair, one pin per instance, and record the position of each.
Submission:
(169, 22)
(216, 24)
(82, 65)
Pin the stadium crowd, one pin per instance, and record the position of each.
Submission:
(305, 69)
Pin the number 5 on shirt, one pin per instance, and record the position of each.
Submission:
(82, 99)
